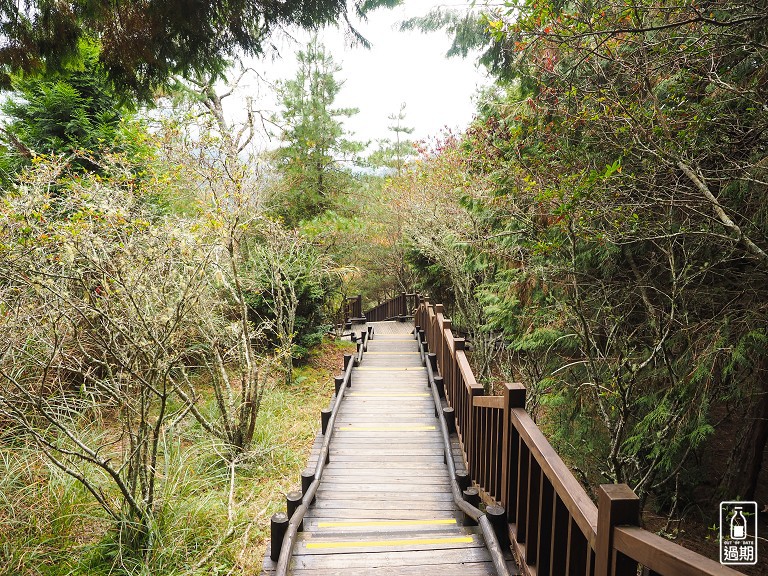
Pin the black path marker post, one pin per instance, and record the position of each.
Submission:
(325, 417)
(498, 517)
(277, 526)
(307, 477)
(450, 419)
(432, 358)
(347, 360)
(440, 385)
(463, 480)
(472, 496)
(293, 501)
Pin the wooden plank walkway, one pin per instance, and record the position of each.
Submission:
(384, 505)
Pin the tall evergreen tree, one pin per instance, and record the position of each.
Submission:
(315, 146)
(146, 42)
(74, 111)
(394, 152)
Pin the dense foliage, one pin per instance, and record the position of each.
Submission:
(600, 232)
(616, 186)
(145, 43)
(72, 112)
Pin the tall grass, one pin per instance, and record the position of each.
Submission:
(213, 514)
(46, 517)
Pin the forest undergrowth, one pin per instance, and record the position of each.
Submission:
(215, 516)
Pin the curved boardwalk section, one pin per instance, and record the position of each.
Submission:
(384, 504)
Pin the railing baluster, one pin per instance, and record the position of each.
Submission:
(491, 457)
(577, 550)
(560, 542)
(534, 505)
(545, 528)
(514, 397)
(523, 493)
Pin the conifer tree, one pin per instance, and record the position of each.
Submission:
(394, 152)
(73, 111)
(315, 147)
(144, 43)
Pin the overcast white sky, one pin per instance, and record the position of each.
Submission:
(400, 67)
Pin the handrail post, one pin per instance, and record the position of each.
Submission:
(616, 504)
(514, 397)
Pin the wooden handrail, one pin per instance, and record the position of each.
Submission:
(662, 556)
(554, 526)
(491, 539)
(579, 505)
(399, 307)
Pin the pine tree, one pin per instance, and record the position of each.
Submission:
(74, 111)
(144, 43)
(394, 153)
(315, 145)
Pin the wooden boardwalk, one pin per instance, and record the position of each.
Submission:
(384, 505)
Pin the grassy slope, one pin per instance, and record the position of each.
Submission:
(49, 525)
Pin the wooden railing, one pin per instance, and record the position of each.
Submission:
(554, 527)
(353, 308)
(399, 307)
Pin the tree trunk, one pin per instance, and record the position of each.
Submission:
(746, 460)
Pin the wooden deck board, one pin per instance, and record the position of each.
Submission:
(384, 505)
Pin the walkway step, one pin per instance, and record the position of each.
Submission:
(384, 506)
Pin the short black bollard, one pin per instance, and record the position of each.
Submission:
(370, 332)
(278, 526)
(292, 502)
(357, 354)
(325, 417)
(462, 479)
(347, 360)
(440, 385)
(432, 357)
(337, 382)
(450, 419)
(498, 518)
(472, 496)
(307, 477)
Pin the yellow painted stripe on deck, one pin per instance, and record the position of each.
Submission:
(374, 524)
(387, 395)
(404, 542)
(385, 369)
(386, 428)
